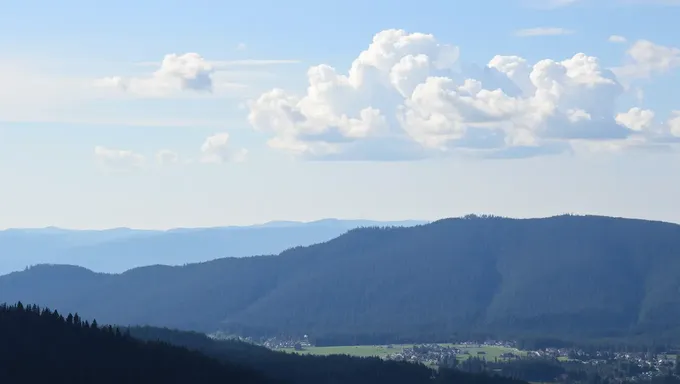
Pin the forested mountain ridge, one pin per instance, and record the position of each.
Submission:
(562, 276)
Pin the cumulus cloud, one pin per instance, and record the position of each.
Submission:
(187, 72)
(190, 73)
(644, 59)
(674, 124)
(636, 119)
(167, 157)
(649, 133)
(617, 39)
(216, 149)
(118, 159)
(408, 94)
(543, 31)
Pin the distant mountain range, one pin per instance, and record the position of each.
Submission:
(565, 276)
(117, 250)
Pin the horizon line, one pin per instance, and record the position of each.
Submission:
(335, 219)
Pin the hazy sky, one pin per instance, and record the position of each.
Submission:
(158, 114)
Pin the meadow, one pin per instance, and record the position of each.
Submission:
(488, 351)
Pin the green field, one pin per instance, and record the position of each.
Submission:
(490, 352)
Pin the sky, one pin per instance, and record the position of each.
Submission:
(161, 114)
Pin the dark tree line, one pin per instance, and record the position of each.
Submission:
(40, 346)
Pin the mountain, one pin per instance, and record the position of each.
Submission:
(40, 346)
(120, 249)
(565, 276)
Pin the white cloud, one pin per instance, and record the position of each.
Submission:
(617, 39)
(241, 46)
(216, 149)
(636, 119)
(118, 159)
(406, 96)
(645, 59)
(167, 157)
(187, 72)
(543, 31)
(650, 133)
(674, 124)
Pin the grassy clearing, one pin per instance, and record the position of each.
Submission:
(489, 352)
(358, 350)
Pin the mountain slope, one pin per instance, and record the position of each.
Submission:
(560, 276)
(117, 250)
(42, 346)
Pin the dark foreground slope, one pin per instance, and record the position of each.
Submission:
(560, 276)
(39, 346)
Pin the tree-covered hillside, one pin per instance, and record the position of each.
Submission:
(563, 276)
(41, 346)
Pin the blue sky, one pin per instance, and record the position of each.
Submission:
(160, 114)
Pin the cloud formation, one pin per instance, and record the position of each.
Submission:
(543, 31)
(637, 119)
(408, 96)
(118, 159)
(617, 39)
(184, 72)
(216, 149)
(189, 73)
(645, 59)
(674, 124)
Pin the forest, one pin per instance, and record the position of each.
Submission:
(568, 277)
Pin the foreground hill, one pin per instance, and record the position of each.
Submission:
(40, 346)
(560, 276)
(117, 250)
